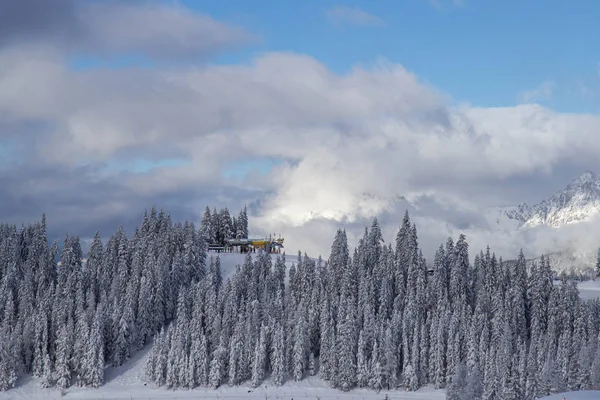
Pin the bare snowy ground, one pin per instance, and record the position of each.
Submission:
(583, 395)
(127, 383)
(589, 290)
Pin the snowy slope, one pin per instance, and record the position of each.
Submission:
(127, 383)
(589, 290)
(579, 201)
(583, 395)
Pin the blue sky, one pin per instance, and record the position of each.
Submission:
(487, 53)
(480, 52)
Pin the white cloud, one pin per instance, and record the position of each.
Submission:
(353, 16)
(148, 28)
(160, 31)
(351, 144)
(541, 93)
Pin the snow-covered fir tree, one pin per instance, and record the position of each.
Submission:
(218, 226)
(373, 316)
(490, 329)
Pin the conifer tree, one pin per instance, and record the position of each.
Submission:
(95, 354)
(372, 318)
(598, 263)
(278, 360)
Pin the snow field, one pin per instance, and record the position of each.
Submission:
(583, 395)
(128, 383)
(589, 290)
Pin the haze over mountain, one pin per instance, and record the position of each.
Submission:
(569, 216)
(579, 201)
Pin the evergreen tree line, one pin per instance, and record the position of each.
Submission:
(375, 318)
(372, 318)
(219, 226)
(64, 321)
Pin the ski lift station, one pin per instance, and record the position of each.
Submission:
(244, 245)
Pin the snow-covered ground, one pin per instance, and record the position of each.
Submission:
(589, 290)
(583, 395)
(127, 383)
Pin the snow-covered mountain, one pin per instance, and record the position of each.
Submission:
(578, 202)
(564, 214)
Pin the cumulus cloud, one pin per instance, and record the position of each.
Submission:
(353, 16)
(147, 28)
(159, 31)
(349, 147)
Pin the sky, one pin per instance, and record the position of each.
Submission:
(316, 114)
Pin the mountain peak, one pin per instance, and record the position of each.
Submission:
(587, 176)
(587, 184)
(578, 201)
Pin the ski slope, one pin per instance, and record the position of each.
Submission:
(583, 395)
(589, 290)
(128, 383)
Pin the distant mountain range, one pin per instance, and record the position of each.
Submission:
(578, 202)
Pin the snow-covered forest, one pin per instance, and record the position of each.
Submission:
(373, 317)
(64, 321)
(219, 226)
